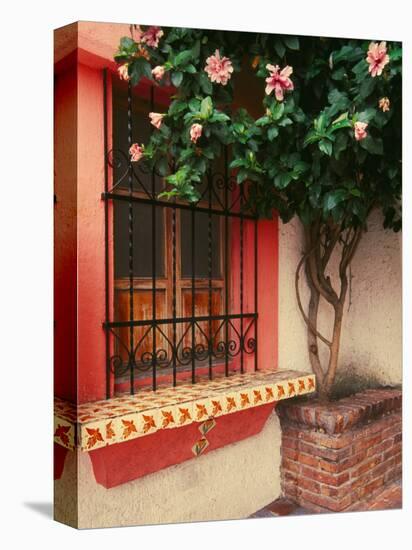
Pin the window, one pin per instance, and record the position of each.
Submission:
(179, 305)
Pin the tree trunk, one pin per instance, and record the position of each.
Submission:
(322, 240)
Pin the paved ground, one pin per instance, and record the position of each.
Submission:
(390, 498)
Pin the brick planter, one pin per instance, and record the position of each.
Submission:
(336, 456)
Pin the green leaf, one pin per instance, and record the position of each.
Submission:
(312, 137)
(206, 107)
(262, 121)
(340, 144)
(325, 146)
(291, 42)
(372, 145)
(177, 107)
(205, 83)
(285, 122)
(191, 69)
(237, 163)
(338, 100)
(219, 117)
(339, 74)
(162, 166)
(273, 133)
(282, 180)
(333, 198)
(183, 58)
(366, 115)
(280, 48)
(196, 50)
(321, 122)
(194, 105)
(139, 68)
(278, 110)
(367, 87)
(177, 78)
(395, 54)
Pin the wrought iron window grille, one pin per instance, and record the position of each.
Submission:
(186, 342)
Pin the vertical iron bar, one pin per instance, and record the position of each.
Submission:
(241, 277)
(193, 296)
(106, 234)
(174, 351)
(209, 261)
(130, 219)
(226, 264)
(154, 350)
(256, 294)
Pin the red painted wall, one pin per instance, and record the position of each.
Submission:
(90, 236)
(65, 234)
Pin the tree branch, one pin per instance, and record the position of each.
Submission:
(305, 317)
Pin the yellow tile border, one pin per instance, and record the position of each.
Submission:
(100, 423)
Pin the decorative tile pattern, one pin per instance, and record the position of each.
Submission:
(127, 416)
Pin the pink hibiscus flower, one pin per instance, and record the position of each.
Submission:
(219, 69)
(278, 81)
(152, 36)
(158, 72)
(377, 58)
(136, 152)
(156, 119)
(384, 104)
(123, 72)
(195, 132)
(360, 130)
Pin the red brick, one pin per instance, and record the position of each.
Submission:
(292, 454)
(281, 507)
(380, 447)
(340, 466)
(397, 438)
(368, 489)
(382, 468)
(324, 477)
(329, 441)
(290, 490)
(308, 460)
(366, 466)
(290, 442)
(392, 452)
(394, 473)
(334, 455)
(336, 492)
(290, 465)
(325, 502)
(366, 442)
(289, 477)
(308, 484)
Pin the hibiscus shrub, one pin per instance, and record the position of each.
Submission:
(326, 148)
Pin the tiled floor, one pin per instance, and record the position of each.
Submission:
(390, 498)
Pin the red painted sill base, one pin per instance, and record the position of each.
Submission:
(117, 464)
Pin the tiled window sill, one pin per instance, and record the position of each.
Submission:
(127, 417)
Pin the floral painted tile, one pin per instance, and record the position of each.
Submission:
(206, 426)
(126, 417)
(200, 446)
(64, 433)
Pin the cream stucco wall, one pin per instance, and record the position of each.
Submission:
(372, 330)
(228, 483)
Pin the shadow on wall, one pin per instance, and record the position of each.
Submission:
(349, 381)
